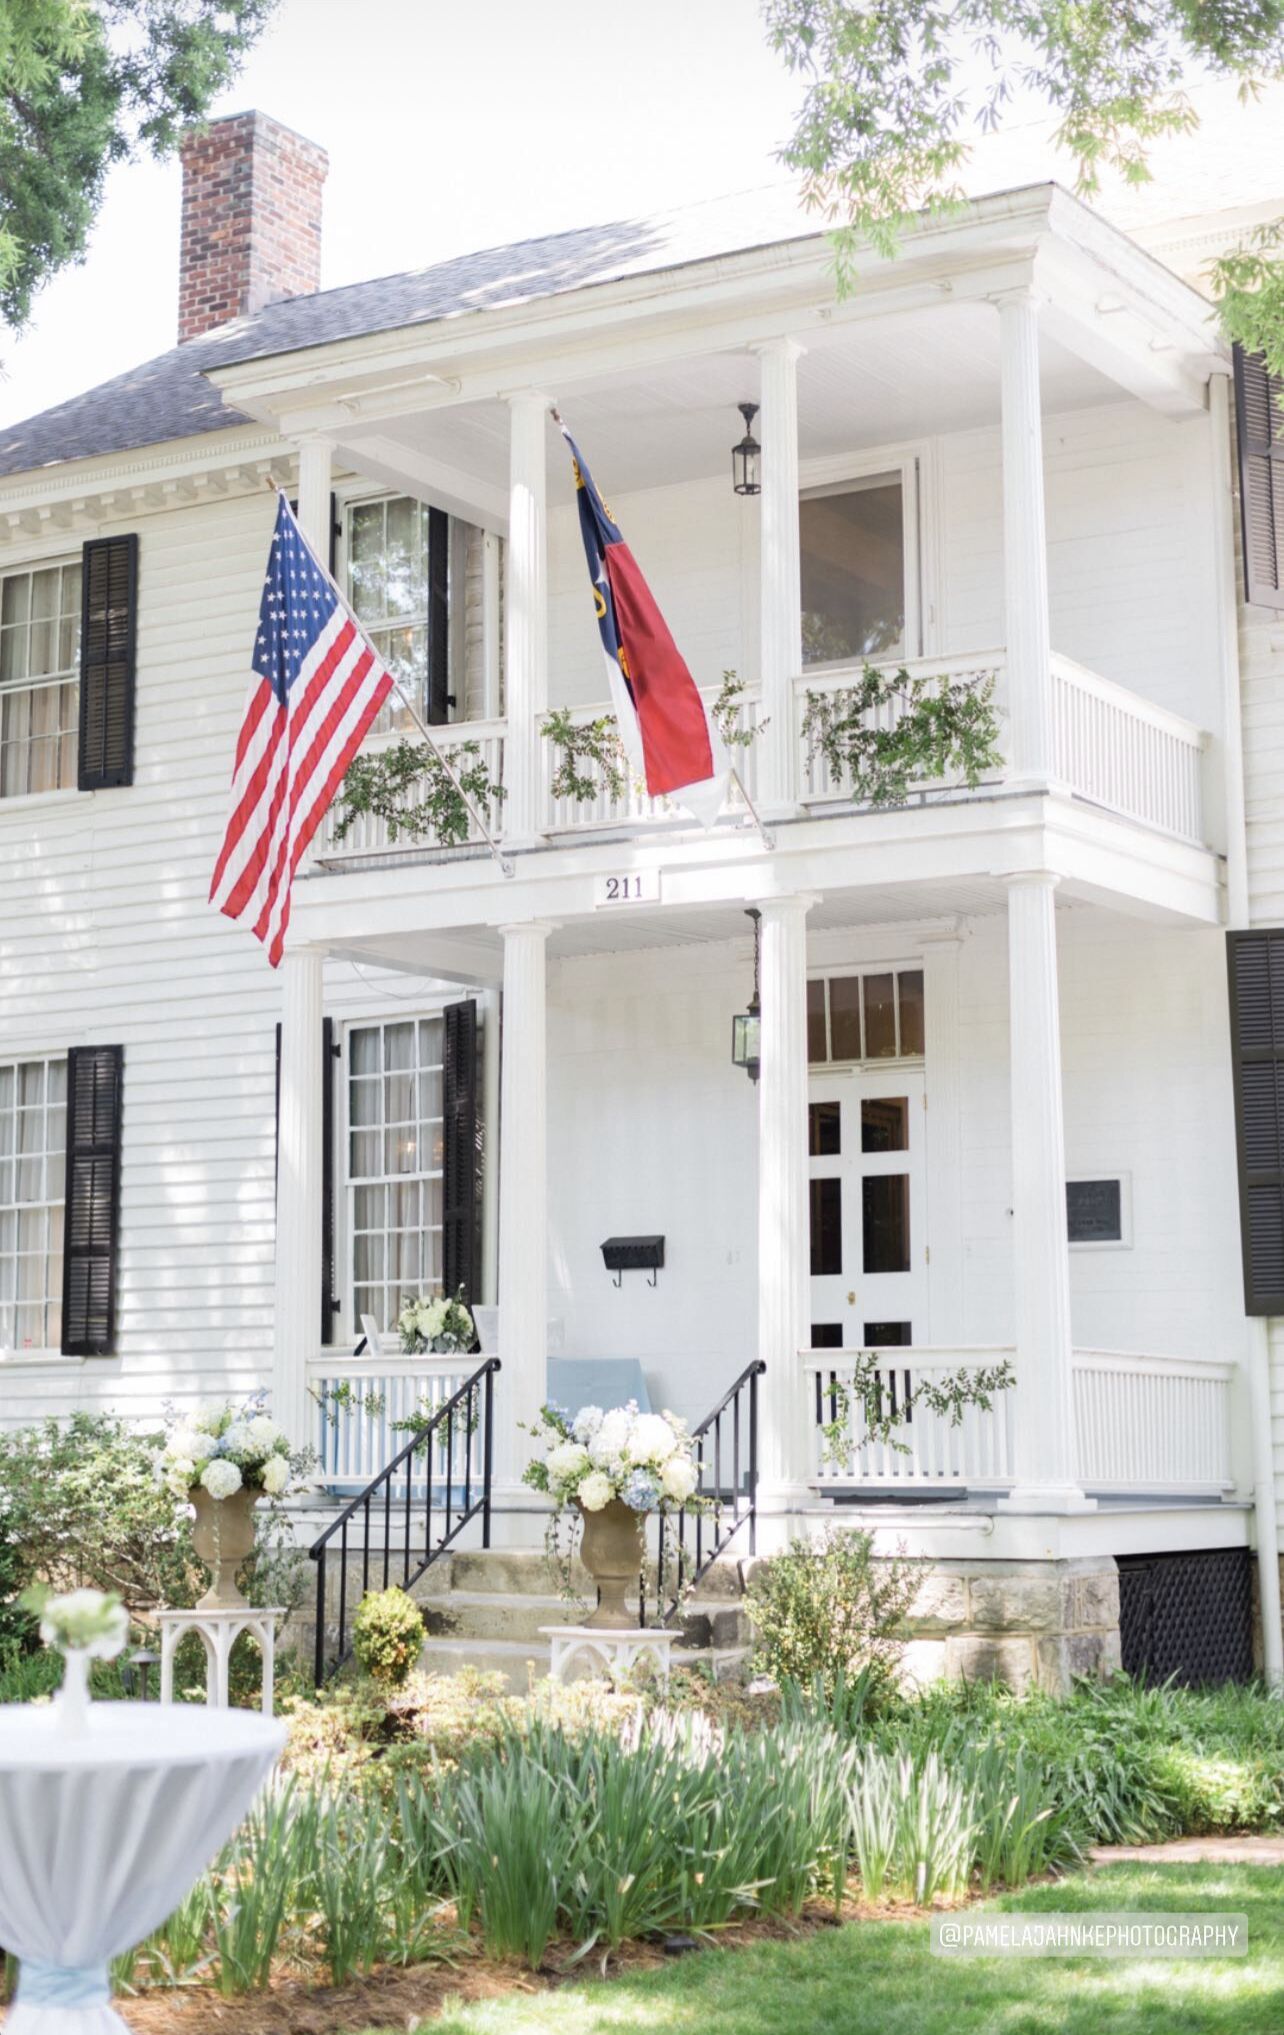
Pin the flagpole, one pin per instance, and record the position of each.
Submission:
(505, 861)
(767, 838)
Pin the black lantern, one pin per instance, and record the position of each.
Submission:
(746, 1027)
(746, 458)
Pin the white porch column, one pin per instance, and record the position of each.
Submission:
(1025, 543)
(314, 494)
(783, 1205)
(525, 616)
(523, 1201)
(297, 1308)
(779, 573)
(1046, 1454)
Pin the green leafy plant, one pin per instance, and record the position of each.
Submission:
(408, 787)
(388, 1636)
(827, 1614)
(888, 731)
(590, 756)
(860, 1411)
(727, 710)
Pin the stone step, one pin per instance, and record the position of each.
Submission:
(517, 1571)
(520, 1664)
(486, 1614)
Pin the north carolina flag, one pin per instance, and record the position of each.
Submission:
(668, 736)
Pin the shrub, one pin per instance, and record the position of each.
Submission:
(827, 1615)
(388, 1636)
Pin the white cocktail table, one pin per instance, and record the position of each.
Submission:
(616, 1649)
(103, 1835)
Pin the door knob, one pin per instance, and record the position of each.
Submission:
(851, 1300)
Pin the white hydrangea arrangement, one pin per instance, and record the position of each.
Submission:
(92, 1622)
(435, 1323)
(225, 1447)
(646, 1459)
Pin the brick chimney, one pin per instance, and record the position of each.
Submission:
(251, 220)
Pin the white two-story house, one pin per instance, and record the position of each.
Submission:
(994, 1116)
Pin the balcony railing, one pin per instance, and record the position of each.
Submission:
(1111, 747)
(363, 1405)
(1149, 1425)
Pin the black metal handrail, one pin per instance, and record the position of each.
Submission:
(710, 1534)
(466, 1418)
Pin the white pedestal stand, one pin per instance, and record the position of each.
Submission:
(616, 1649)
(217, 1631)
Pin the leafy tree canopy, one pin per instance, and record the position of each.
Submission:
(894, 90)
(83, 84)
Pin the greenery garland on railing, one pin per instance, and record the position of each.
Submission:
(947, 1395)
(591, 758)
(378, 786)
(947, 728)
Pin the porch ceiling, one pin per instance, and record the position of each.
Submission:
(877, 382)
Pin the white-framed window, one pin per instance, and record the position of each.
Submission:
(39, 677)
(859, 554)
(33, 1159)
(396, 551)
(864, 1015)
(394, 1140)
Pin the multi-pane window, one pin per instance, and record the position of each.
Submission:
(398, 550)
(39, 678)
(876, 1016)
(394, 1164)
(852, 541)
(33, 1157)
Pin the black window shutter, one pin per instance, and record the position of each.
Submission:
(439, 700)
(460, 1239)
(1259, 422)
(108, 633)
(1257, 1055)
(92, 1216)
(329, 1054)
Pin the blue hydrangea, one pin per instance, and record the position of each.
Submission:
(642, 1492)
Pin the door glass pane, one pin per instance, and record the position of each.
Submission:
(909, 984)
(887, 1335)
(844, 1017)
(853, 572)
(827, 1335)
(880, 1018)
(824, 1121)
(885, 1212)
(884, 1123)
(826, 1227)
(817, 1048)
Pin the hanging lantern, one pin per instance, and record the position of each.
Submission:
(746, 1027)
(746, 458)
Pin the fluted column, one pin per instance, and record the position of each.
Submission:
(1047, 1478)
(523, 1199)
(1025, 541)
(784, 1260)
(525, 616)
(297, 1315)
(780, 573)
(314, 494)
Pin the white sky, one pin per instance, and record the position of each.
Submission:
(450, 125)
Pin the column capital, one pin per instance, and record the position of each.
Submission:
(794, 903)
(1031, 879)
(540, 927)
(782, 347)
(1021, 291)
(527, 398)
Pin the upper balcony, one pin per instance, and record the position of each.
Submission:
(999, 455)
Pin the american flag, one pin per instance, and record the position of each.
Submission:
(317, 687)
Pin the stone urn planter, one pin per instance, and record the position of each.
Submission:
(613, 1548)
(223, 1536)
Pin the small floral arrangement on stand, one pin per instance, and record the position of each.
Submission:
(612, 1468)
(436, 1324)
(85, 1626)
(223, 1458)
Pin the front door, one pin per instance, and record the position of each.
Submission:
(868, 1209)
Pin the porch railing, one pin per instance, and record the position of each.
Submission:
(631, 809)
(364, 1406)
(386, 1534)
(368, 836)
(817, 783)
(726, 1446)
(1144, 1424)
(1119, 750)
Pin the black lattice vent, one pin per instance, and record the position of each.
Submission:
(1189, 1615)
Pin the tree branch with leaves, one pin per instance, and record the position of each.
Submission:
(889, 731)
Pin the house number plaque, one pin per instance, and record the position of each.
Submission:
(640, 886)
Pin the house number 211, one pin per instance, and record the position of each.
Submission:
(638, 887)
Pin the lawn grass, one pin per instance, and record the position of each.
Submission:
(880, 1978)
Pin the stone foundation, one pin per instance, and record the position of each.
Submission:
(1026, 1624)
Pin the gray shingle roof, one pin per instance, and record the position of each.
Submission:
(169, 397)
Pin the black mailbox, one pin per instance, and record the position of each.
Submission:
(633, 1254)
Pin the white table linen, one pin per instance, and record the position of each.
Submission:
(101, 1836)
